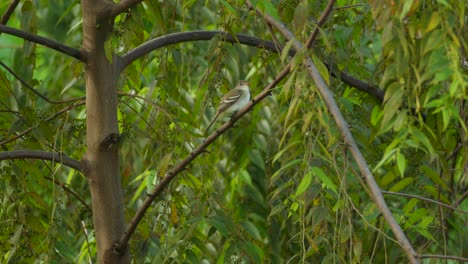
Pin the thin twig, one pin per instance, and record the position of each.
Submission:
(68, 190)
(443, 257)
(43, 97)
(348, 6)
(24, 132)
(425, 199)
(329, 100)
(461, 198)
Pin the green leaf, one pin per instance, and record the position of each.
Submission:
(388, 155)
(219, 225)
(229, 7)
(280, 171)
(254, 251)
(322, 69)
(376, 115)
(434, 177)
(269, 8)
(252, 229)
(402, 184)
(401, 163)
(305, 183)
(325, 179)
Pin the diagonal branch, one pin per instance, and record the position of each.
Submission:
(181, 37)
(9, 12)
(24, 132)
(70, 191)
(72, 52)
(43, 97)
(332, 106)
(43, 155)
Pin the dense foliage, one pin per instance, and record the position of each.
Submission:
(278, 187)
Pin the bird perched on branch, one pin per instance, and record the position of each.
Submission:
(232, 102)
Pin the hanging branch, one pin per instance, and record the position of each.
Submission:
(332, 106)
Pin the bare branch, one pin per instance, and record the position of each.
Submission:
(443, 257)
(181, 37)
(8, 12)
(68, 190)
(122, 6)
(43, 155)
(72, 52)
(321, 21)
(332, 106)
(425, 199)
(461, 198)
(43, 97)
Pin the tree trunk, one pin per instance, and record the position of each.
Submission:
(101, 160)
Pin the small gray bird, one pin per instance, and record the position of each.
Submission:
(233, 101)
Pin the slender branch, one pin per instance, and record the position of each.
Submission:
(43, 155)
(443, 257)
(332, 106)
(198, 35)
(72, 52)
(122, 6)
(321, 21)
(425, 199)
(9, 12)
(181, 37)
(68, 190)
(170, 175)
(43, 97)
(461, 198)
(348, 6)
(24, 132)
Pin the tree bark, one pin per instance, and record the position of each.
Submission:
(101, 160)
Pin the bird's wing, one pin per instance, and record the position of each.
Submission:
(230, 98)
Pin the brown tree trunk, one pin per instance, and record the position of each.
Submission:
(101, 160)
